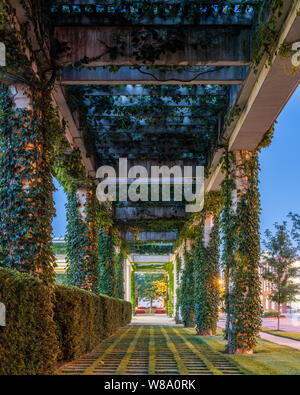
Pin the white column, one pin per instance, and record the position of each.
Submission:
(127, 279)
(208, 226)
(175, 283)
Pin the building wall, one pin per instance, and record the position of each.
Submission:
(266, 291)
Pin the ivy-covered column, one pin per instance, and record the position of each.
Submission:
(28, 129)
(107, 275)
(206, 268)
(178, 288)
(187, 290)
(132, 290)
(240, 221)
(127, 279)
(82, 269)
(119, 267)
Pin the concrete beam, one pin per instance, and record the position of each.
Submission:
(73, 135)
(125, 75)
(152, 236)
(149, 212)
(263, 95)
(176, 129)
(150, 258)
(204, 46)
(163, 91)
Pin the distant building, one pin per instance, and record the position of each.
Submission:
(59, 248)
(266, 290)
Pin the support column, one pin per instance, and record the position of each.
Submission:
(182, 265)
(175, 284)
(107, 277)
(26, 159)
(127, 278)
(242, 253)
(81, 239)
(187, 290)
(206, 268)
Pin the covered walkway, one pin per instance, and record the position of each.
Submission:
(152, 349)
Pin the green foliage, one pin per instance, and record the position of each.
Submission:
(187, 304)
(241, 252)
(26, 201)
(278, 266)
(145, 286)
(133, 116)
(170, 297)
(28, 343)
(61, 279)
(107, 280)
(32, 340)
(295, 233)
(266, 35)
(59, 248)
(178, 290)
(147, 42)
(206, 269)
(270, 313)
(84, 319)
(82, 266)
(267, 139)
(133, 290)
(119, 267)
(151, 248)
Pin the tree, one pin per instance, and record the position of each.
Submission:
(161, 289)
(146, 288)
(296, 228)
(278, 266)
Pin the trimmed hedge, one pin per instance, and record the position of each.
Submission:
(84, 319)
(28, 342)
(32, 341)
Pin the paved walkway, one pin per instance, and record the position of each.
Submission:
(272, 338)
(152, 349)
(153, 319)
(286, 324)
(280, 340)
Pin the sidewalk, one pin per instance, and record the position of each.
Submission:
(153, 319)
(272, 338)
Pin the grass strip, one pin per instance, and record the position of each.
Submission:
(208, 364)
(152, 353)
(98, 361)
(124, 362)
(182, 369)
(287, 335)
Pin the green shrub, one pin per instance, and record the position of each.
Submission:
(84, 319)
(270, 313)
(32, 341)
(28, 343)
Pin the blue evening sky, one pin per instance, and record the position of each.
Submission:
(279, 176)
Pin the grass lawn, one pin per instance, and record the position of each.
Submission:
(268, 359)
(289, 335)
